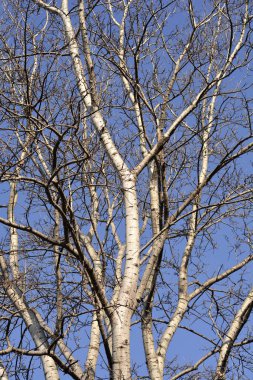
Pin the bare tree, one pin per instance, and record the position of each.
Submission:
(126, 187)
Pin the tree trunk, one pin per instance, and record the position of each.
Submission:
(121, 344)
(126, 300)
(3, 373)
(93, 352)
(36, 331)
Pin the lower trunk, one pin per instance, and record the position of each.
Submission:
(236, 326)
(3, 373)
(121, 344)
(149, 347)
(169, 332)
(36, 332)
(92, 356)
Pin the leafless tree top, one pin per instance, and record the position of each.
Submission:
(126, 182)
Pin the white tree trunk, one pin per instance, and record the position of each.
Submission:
(93, 351)
(3, 373)
(34, 328)
(36, 331)
(127, 294)
(150, 353)
(147, 324)
(235, 328)
(124, 305)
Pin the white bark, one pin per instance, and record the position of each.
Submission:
(183, 298)
(219, 77)
(126, 292)
(236, 326)
(93, 351)
(124, 306)
(33, 326)
(13, 232)
(75, 367)
(3, 373)
(149, 346)
(90, 105)
(37, 333)
(147, 324)
(13, 289)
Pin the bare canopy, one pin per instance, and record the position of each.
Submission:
(126, 189)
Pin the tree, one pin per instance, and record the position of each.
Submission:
(126, 189)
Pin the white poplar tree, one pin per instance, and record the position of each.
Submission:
(126, 187)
